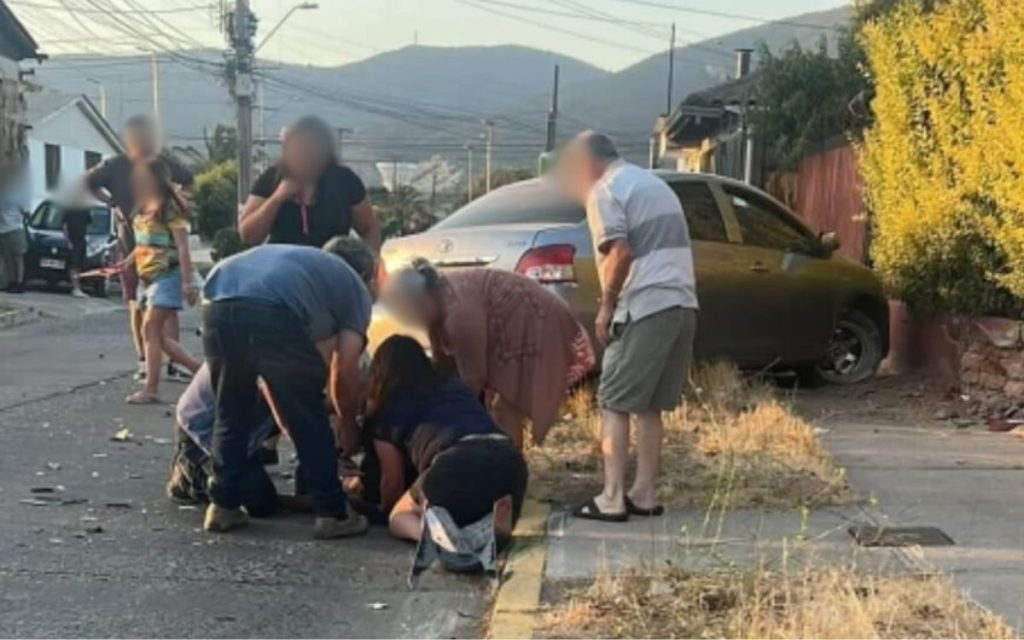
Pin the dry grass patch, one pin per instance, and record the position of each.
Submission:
(812, 603)
(733, 443)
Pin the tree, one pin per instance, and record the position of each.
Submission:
(942, 163)
(802, 96)
(222, 144)
(216, 196)
(404, 211)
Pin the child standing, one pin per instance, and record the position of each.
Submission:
(164, 266)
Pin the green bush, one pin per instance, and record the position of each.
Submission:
(226, 243)
(216, 199)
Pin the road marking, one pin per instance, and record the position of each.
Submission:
(516, 605)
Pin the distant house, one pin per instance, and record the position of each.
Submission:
(16, 44)
(67, 136)
(708, 130)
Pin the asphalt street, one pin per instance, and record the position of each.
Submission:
(90, 547)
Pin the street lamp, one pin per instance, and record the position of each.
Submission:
(304, 6)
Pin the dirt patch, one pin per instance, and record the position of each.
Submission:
(733, 443)
(811, 603)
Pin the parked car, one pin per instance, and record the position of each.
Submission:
(48, 250)
(772, 293)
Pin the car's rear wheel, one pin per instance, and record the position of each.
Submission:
(853, 353)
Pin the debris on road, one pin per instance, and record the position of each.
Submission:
(42, 490)
(123, 435)
(53, 466)
(118, 505)
(377, 606)
(34, 502)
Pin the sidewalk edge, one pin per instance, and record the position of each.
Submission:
(516, 604)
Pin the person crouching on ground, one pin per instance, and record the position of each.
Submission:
(279, 313)
(506, 335)
(164, 265)
(647, 318)
(436, 443)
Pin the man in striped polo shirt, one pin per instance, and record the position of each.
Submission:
(647, 317)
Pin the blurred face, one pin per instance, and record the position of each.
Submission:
(139, 143)
(305, 156)
(144, 184)
(578, 171)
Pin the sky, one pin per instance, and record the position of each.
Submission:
(611, 34)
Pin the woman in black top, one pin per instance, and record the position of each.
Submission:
(436, 443)
(308, 197)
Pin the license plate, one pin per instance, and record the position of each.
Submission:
(51, 263)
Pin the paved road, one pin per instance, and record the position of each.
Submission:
(112, 557)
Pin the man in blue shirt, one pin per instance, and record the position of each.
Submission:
(295, 317)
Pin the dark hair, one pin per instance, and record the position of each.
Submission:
(431, 276)
(172, 199)
(317, 128)
(356, 254)
(400, 366)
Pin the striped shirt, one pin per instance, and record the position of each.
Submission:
(634, 204)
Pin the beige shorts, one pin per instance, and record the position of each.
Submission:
(647, 363)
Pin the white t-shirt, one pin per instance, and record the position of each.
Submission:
(636, 205)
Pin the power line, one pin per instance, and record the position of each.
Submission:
(723, 14)
(542, 25)
(36, 5)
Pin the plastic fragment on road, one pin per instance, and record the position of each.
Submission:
(122, 435)
(377, 606)
(33, 502)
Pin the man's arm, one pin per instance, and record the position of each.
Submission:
(614, 271)
(344, 386)
(366, 224)
(97, 182)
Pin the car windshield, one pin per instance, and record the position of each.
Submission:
(529, 202)
(51, 218)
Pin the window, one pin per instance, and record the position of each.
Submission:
(92, 159)
(702, 214)
(52, 166)
(51, 218)
(764, 224)
(529, 202)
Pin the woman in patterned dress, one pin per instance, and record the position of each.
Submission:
(511, 341)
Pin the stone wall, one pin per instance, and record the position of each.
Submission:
(992, 363)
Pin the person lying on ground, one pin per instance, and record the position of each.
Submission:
(506, 335)
(296, 318)
(191, 463)
(435, 442)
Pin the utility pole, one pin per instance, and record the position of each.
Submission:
(240, 27)
(154, 65)
(671, 69)
(469, 174)
(341, 140)
(553, 116)
(260, 144)
(489, 152)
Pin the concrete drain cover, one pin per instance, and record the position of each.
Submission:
(867, 536)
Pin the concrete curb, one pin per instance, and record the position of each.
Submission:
(17, 317)
(515, 607)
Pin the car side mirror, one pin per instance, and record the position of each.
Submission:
(829, 242)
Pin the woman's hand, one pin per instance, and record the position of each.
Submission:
(190, 292)
(286, 190)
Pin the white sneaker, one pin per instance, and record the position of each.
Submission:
(78, 293)
(140, 372)
(178, 373)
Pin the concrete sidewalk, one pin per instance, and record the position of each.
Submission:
(969, 483)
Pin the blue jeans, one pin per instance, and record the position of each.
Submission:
(245, 340)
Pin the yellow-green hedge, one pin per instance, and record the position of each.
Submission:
(943, 164)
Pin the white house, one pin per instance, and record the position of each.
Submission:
(67, 136)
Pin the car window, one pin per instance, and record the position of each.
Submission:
(50, 217)
(534, 201)
(702, 214)
(763, 224)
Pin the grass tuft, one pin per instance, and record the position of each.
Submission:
(732, 443)
(811, 603)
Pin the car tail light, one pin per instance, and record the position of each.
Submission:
(549, 265)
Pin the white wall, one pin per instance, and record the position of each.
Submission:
(75, 134)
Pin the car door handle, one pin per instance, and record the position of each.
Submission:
(759, 267)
